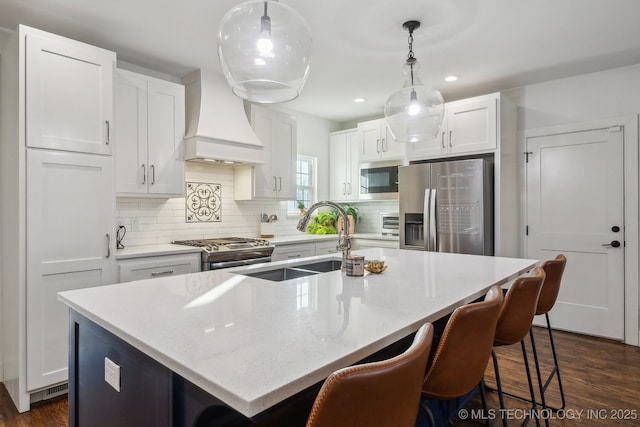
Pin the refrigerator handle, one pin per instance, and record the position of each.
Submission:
(433, 232)
(425, 221)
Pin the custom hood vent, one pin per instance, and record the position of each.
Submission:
(217, 127)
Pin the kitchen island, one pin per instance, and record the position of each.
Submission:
(167, 349)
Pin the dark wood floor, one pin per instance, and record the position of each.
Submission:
(601, 380)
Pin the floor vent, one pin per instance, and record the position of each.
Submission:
(50, 393)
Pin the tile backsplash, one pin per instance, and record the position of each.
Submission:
(153, 221)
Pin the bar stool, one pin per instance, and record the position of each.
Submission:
(461, 357)
(553, 270)
(377, 394)
(514, 322)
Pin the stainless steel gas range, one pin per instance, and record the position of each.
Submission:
(230, 251)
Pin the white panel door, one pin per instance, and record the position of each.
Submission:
(472, 125)
(575, 206)
(70, 245)
(338, 168)
(69, 95)
(166, 133)
(284, 156)
(131, 133)
(369, 139)
(263, 123)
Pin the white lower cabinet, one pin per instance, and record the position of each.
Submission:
(374, 243)
(299, 250)
(70, 214)
(158, 266)
(328, 247)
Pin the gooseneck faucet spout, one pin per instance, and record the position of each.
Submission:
(344, 244)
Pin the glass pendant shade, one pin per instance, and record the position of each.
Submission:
(415, 112)
(265, 51)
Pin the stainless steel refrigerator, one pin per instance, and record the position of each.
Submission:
(447, 206)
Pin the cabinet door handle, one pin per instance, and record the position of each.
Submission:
(279, 183)
(108, 132)
(450, 138)
(443, 146)
(144, 174)
(349, 189)
(108, 245)
(378, 145)
(293, 256)
(344, 188)
(153, 174)
(384, 145)
(275, 183)
(161, 273)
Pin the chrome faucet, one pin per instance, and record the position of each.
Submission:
(344, 244)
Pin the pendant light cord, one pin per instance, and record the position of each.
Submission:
(410, 58)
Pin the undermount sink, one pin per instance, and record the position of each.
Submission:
(280, 274)
(286, 273)
(322, 266)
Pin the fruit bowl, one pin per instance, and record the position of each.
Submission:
(375, 267)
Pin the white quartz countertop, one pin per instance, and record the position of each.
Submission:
(252, 342)
(169, 249)
(312, 238)
(155, 250)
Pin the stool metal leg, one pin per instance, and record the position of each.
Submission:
(499, 385)
(555, 371)
(501, 393)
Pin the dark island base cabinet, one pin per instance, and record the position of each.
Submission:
(150, 393)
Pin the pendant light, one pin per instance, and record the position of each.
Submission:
(265, 51)
(415, 112)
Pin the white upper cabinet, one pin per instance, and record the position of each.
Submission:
(470, 126)
(343, 166)
(69, 95)
(276, 178)
(149, 134)
(376, 142)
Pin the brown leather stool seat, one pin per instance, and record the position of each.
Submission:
(514, 322)
(377, 394)
(462, 354)
(553, 269)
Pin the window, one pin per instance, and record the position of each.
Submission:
(305, 184)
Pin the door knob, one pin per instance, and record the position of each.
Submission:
(615, 229)
(613, 244)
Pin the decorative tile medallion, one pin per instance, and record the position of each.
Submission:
(203, 202)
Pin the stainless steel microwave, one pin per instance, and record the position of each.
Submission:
(379, 180)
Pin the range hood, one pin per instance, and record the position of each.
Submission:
(217, 128)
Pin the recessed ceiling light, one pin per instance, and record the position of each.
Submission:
(360, 100)
(451, 78)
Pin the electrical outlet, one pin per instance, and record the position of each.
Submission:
(112, 374)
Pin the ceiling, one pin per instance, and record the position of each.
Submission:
(359, 45)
